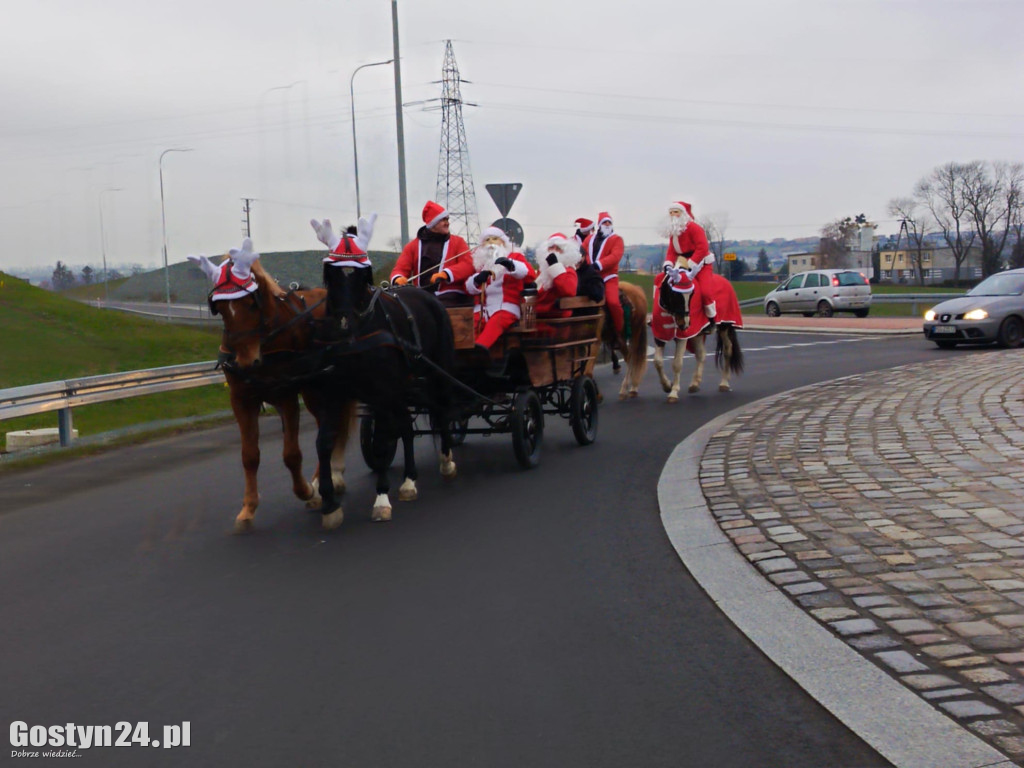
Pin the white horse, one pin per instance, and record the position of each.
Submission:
(685, 322)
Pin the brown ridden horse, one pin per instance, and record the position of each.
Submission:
(265, 354)
(634, 351)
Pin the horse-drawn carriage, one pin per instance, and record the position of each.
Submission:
(540, 366)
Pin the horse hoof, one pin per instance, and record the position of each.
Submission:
(408, 491)
(314, 502)
(448, 472)
(693, 388)
(243, 525)
(623, 395)
(616, 368)
(724, 388)
(331, 521)
(381, 514)
(666, 386)
(672, 399)
(633, 393)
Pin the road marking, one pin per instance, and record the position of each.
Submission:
(650, 350)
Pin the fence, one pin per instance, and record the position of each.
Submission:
(62, 396)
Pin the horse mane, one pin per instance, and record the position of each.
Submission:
(265, 281)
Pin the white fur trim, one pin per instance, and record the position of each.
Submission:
(437, 219)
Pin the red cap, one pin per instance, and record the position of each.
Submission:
(433, 213)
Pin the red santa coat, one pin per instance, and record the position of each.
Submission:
(562, 284)
(456, 262)
(502, 291)
(691, 243)
(608, 256)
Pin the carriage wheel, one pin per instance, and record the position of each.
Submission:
(367, 430)
(527, 428)
(583, 410)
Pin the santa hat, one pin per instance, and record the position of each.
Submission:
(496, 232)
(233, 278)
(433, 213)
(681, 206)
(602, 217)
(348, 253)
(584, 225)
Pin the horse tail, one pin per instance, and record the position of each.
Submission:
(636, 357)
(733, 362)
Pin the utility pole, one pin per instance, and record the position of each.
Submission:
(246, 210)
(402, 204)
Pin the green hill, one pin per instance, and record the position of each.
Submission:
(48, 337)
(190, 286)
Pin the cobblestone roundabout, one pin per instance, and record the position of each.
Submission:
(890, 506)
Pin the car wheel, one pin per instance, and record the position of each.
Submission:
(824, 309)
(860, 312)
(946, 344)
(807, 314)
(772, 309)
(1011, 333)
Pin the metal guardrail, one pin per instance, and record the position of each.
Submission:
(62, 396)
(885, 298)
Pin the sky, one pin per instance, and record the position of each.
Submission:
(773, 118)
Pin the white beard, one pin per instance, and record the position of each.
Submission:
(484, 257)
(674, 226)
(606, 230)
(568, 257)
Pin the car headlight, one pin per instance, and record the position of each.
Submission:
(929, 315)
(976, 314)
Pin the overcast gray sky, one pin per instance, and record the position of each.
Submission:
(778, 116)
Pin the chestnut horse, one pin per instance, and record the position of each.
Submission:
(680, 316)
(265, 355)
(634, 351)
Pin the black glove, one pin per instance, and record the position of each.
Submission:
(481, 277)
(506, 262)
(552, 259)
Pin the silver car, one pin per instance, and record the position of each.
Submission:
(992, 311)
(821, 292)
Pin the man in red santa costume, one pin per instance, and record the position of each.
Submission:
(583, 228)
(557, 258)
(436, 259)
(604, 250)
(497, 285)
(688, 249)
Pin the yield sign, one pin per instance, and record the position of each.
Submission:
(504, 195)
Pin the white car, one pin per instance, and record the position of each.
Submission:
(821, 292)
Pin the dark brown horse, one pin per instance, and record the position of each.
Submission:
(266, 357)
(634, 351)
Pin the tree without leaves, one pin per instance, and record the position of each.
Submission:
(942, 193)
(992, 194)
(834, 243)
(714, 226)
(913, 216)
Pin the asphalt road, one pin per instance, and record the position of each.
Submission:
(512, 618)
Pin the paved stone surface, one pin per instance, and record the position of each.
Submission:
(890, 507)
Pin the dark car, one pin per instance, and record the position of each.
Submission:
(992, 311)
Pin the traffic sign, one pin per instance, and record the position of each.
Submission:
(512, 228)
(729, 257)
(504, 195)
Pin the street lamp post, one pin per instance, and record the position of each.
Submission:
(403, 208)
(103, 242)
(163, 225)
(352, 103)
